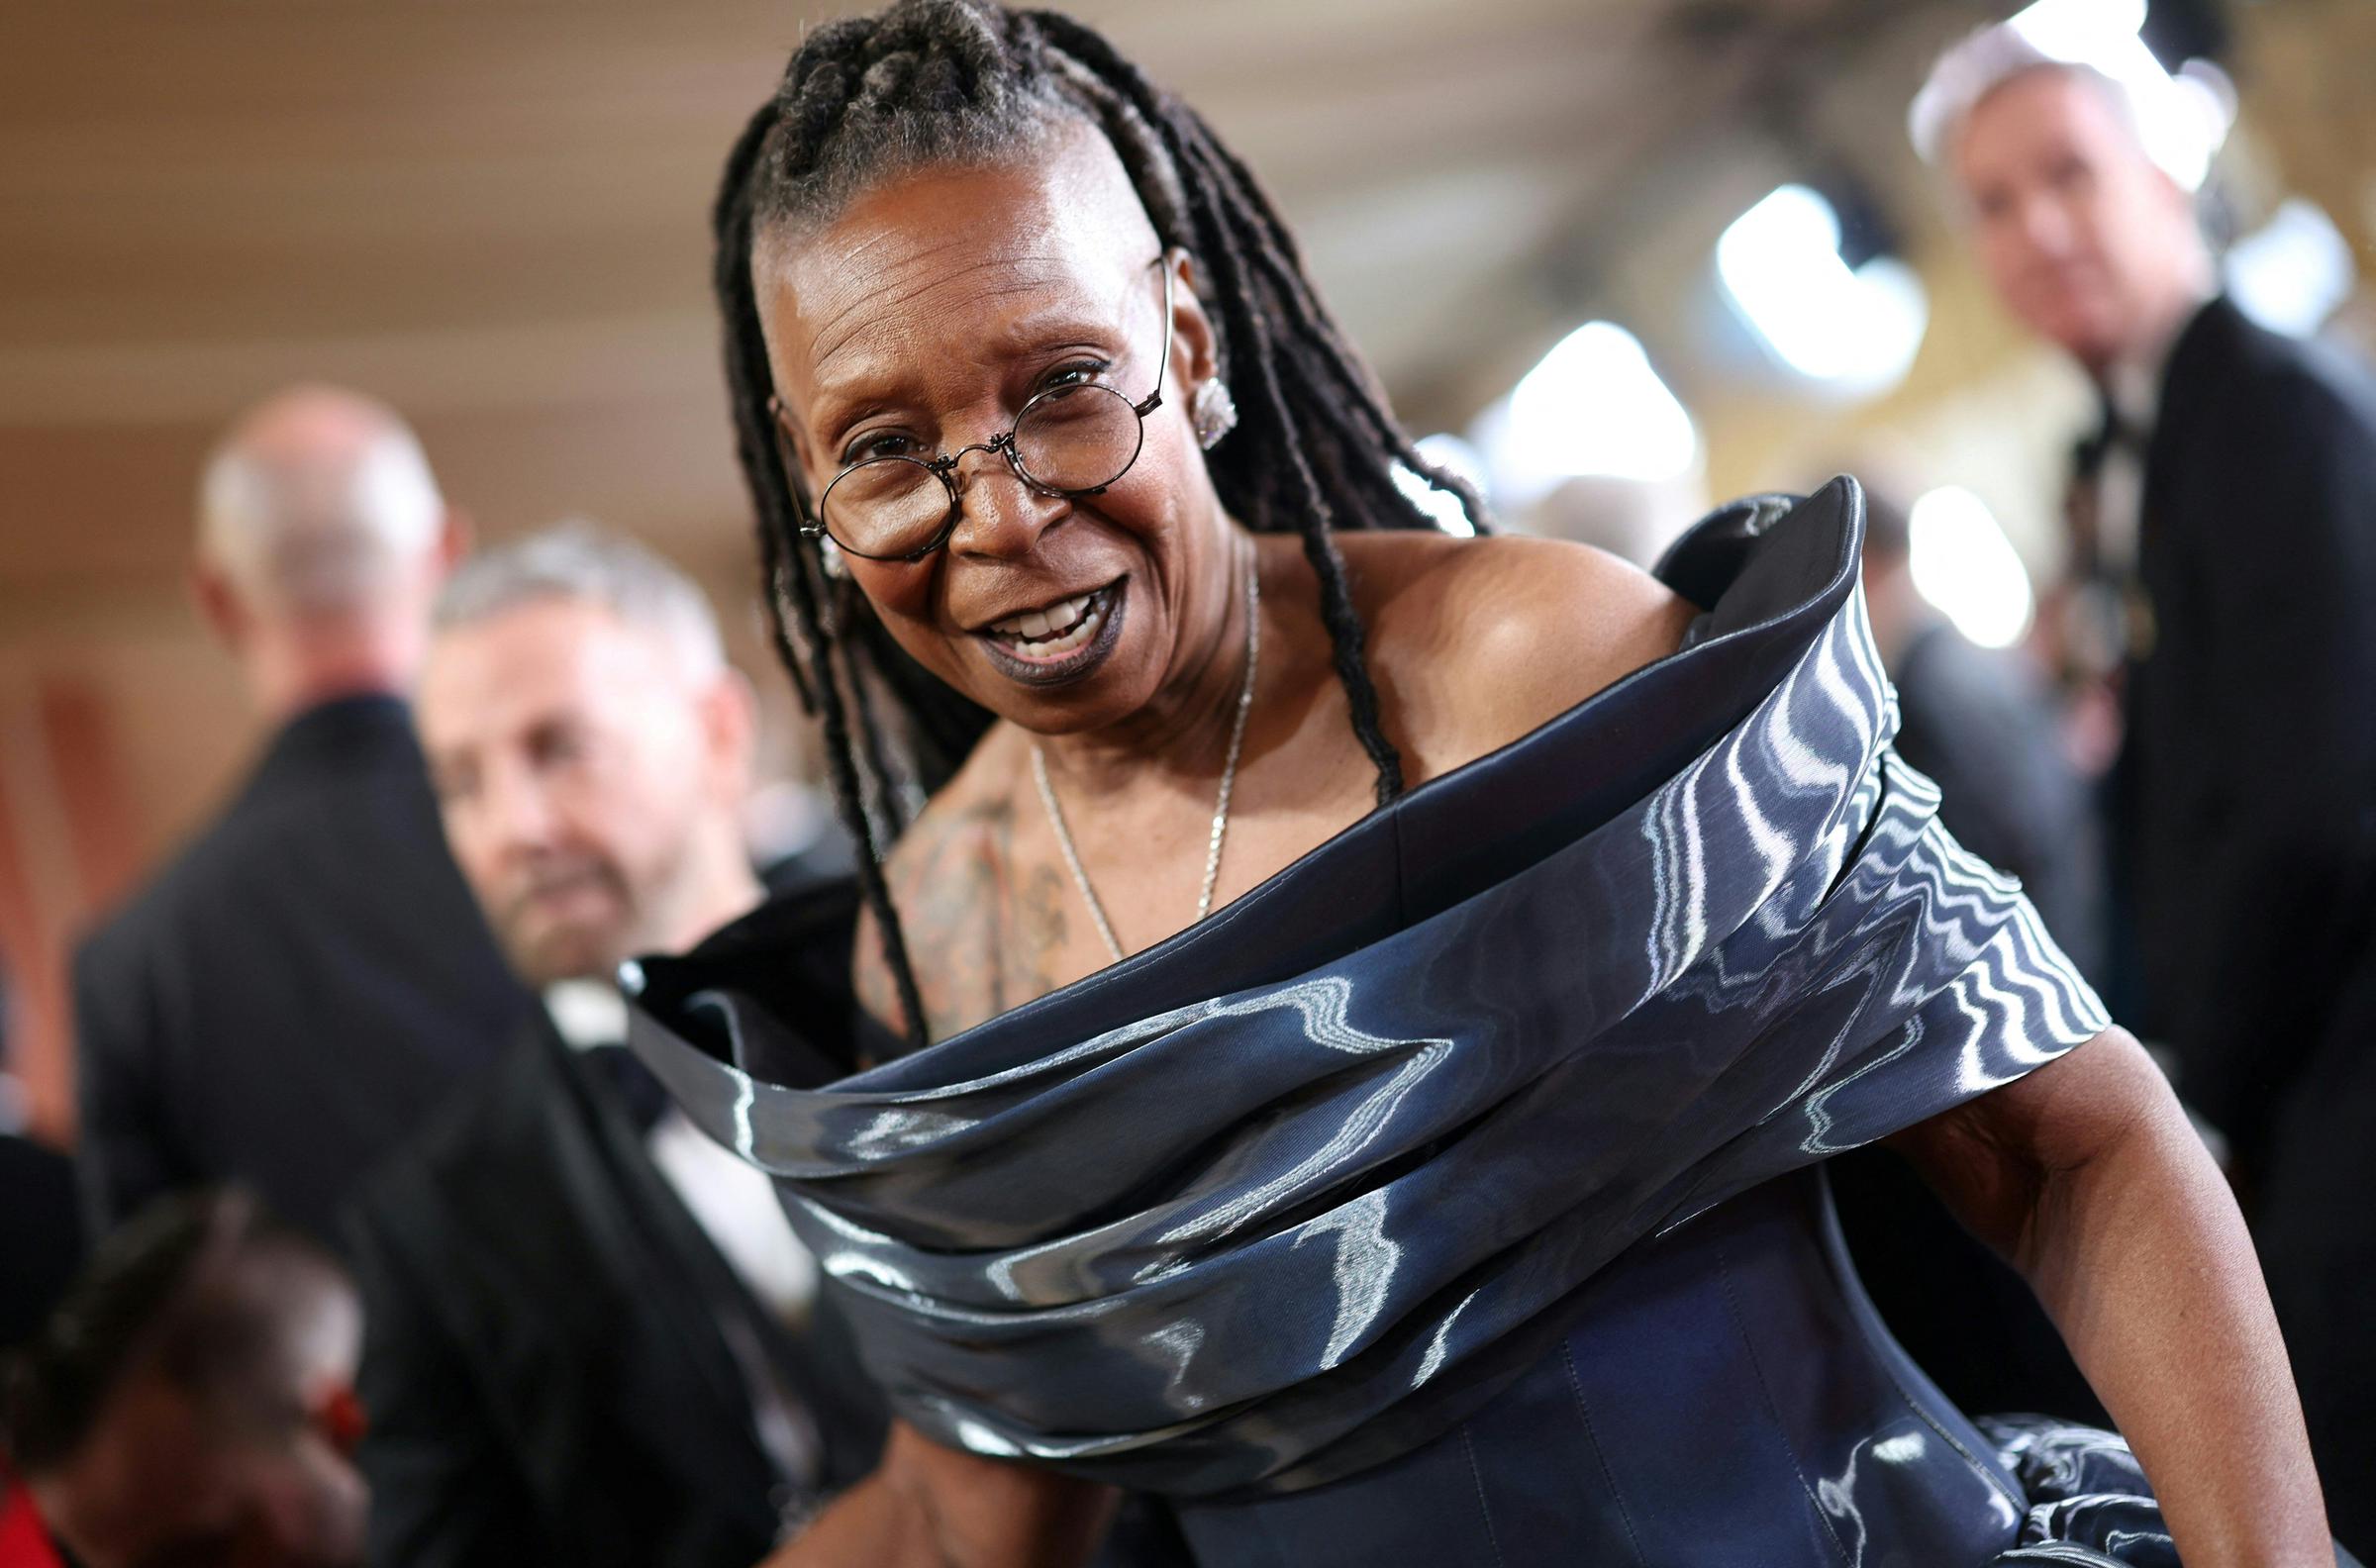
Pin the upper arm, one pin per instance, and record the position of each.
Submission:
(1992, 1158)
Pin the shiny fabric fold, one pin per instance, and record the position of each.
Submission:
(1299, 1189)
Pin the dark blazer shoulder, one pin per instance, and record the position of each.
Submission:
(281, 791)
(2228, 367)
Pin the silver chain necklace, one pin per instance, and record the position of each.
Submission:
(1220, 809)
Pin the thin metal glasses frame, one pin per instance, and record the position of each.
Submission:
(944, 467)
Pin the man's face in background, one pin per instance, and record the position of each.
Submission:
(2086, 239)
(576, 761)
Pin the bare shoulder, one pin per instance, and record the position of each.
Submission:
(1477, 641)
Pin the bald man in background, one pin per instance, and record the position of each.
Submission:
(309, 977)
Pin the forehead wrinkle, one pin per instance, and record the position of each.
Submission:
(891, 295)
(870, 385)
(862, 253)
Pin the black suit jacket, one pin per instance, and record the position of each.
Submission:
(296, 991)
(41, 1235)
(544, 1369)
(2246, 823)
(2246, 790)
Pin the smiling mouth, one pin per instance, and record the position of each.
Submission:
(1058, 641)
(1055, 630)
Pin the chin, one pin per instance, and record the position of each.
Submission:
(566, 955)
(2079, 328)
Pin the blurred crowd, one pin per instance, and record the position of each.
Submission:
(377, 1241)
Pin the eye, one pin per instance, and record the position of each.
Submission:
(880, 443)
(557, 745)
(1077, 372)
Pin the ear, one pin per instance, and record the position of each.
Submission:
(729, 715)
(1195, 346)
(218, 604)
(455, 536)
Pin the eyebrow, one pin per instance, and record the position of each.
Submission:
(872, 390)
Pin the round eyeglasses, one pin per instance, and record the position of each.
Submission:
(1073, 439)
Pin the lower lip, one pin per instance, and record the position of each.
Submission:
(1071, 667)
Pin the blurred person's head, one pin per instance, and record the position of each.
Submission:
(1893, 606)
(2089, 241)
(322, 539)
(191, 1403)
(591, 749)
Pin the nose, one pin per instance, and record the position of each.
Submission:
(513, 816)
(2044, 225)
(998, 515)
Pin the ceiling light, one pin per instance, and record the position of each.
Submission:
(1858, 329)
(1964, 565)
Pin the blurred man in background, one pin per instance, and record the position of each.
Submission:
(593, 1337)
(310, 976)
(2228, 514)
(191, 1402)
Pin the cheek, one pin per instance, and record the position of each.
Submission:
(905, 600)
(474, 849)
(2003, 250)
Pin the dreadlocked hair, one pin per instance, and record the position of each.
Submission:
(927, 82)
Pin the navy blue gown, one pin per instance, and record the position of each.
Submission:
(1455, 1197)
(1724, 1396)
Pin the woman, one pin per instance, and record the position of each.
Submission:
(1446, 1197)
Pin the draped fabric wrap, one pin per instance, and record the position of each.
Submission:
(1298, 1189)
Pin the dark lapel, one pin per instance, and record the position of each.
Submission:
(2199, 376)
(590, 1293)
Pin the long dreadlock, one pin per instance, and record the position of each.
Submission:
(936, 82)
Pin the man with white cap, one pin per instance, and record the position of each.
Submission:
(309, 976)
(2224, 529)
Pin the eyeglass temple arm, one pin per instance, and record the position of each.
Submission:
(1155, 400)
(811, 525)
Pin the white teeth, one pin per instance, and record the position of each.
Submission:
(1041, 623)
(1082, 633)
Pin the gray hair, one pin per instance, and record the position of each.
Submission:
(2177, 122)
(577, 561)
(1975, 66)
(317, 500)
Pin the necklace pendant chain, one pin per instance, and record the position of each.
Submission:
(1221, 808)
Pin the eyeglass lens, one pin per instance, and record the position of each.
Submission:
(1069, 439)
